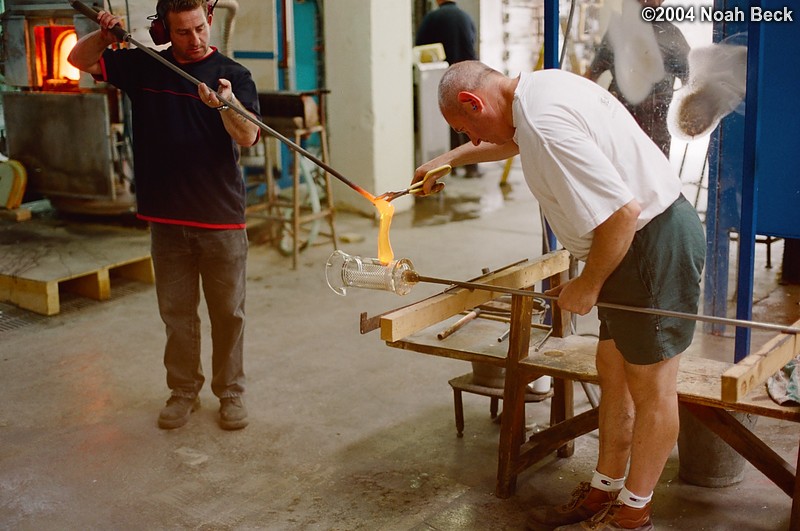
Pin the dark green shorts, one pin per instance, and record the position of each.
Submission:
(662, 269)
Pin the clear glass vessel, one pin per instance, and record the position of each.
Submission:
(343, 270)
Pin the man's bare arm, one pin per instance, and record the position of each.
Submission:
(86, 53)
(467, 154)
(243, 131)
(610, 243)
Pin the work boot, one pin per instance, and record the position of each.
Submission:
(177, 411)
(232, 413)
(616, 516)
(586, 502)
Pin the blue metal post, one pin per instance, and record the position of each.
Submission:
(719, 219)
(747, 231)
(551, 32)
(550, 51)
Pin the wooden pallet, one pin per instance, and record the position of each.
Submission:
(39, 262)
(15, 214)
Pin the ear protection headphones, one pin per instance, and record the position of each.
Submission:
(159, 31)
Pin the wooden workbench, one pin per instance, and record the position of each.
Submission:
(571, 358)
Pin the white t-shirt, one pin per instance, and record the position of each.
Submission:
(584, 156)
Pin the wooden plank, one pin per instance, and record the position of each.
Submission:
(756, 368)
(562, 410)
(699, 379)
(559, 437)
(795, 518)
(477, 341)
(33, 295)
(405, 321)
(560, 318)
(573, 358)
(95, 285)
(15, 214)
(512, 422)
(570, 358)
(747, 444)
(141, 270)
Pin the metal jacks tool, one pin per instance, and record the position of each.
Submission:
(417, 187)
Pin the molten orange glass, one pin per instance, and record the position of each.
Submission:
(386, 211)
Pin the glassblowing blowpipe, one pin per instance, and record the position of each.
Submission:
(343, 271)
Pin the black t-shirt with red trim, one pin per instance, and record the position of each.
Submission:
(185, 162)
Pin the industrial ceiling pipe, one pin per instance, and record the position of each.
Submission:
(231, 6)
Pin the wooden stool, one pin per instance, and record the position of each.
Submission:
(464, 383)
(295, 115)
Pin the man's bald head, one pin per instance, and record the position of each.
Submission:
(467, 76)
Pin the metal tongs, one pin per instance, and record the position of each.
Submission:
(417, 188)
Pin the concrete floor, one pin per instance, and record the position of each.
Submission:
(345, 433)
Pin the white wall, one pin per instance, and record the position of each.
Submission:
(490, 34)
(368, 64)
(254, 31)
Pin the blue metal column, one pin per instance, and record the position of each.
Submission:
(551, 32)
(715, 293)
(550, 51)
(771, 179)
(747, 231)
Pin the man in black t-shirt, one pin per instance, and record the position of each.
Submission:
(190, 189)
(451, 26)
(455, 29)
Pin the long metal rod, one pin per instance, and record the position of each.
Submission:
(124, 36)
(414, 277)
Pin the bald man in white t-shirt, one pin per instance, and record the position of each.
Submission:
(613, 201)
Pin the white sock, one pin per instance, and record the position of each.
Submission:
(603, 482)
(633, 500)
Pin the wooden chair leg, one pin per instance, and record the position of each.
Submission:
(563, 408)
(459, 407)
(512, 430)
(271, 196)
(493, 406)
(794, 522)
(323, 135)
(296, 205)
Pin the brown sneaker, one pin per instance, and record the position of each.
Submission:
(586, 502)
(616, 516)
